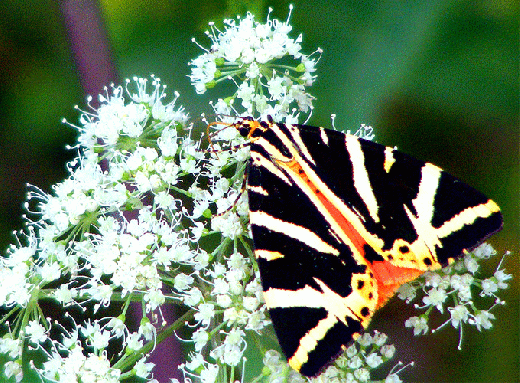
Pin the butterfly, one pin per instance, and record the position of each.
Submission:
(339, 223)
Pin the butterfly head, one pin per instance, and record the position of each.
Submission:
(252, 129)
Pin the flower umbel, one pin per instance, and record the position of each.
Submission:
(454, 288)
(354, 365)
(266, 65)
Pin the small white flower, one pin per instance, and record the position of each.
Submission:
(209, 373)
(362, 374)
(224, 300)
(64, 294)
(153, 297)
(459, 313)
(36, 332)
(483, 319)
(118, 326)
(205, 313)
(143, 369)
(379, 339)
(406, 292)
(419, 324)
(200, 338)
(250, 303)
(232, 355)
(142, 181)
(484, 251)
(220, 286)
(461, 282)
(351, 351)
(182, 282)
(435, 297)
(393, 378)
(374, 360)
(471, 263)
(256, 321)
(388, 351)
(134, 341)
(195, 361)
(501, 277)
(100, 339)
(222, 108)
(436, 280)
(355, 362)
(147, 329)
(13, 369)
(193, 297)
(235, 337)
(489, 286)
(11, 347)
(228, 224)
(231, 315)
(50, 271)
(365, 340)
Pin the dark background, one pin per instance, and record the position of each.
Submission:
(437, 78)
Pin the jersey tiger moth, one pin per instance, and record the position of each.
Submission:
(339, 223)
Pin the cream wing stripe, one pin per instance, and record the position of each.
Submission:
(336, 305)
(389, 159)
(424, 202)
(258, 190)
(324, 137)
(269, 255)
(260, 218)
(467, 217)
(361, 181)
(260, 161)
(295, 132)
(310, 341)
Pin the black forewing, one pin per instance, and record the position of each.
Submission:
(301, 264)
(396, 189)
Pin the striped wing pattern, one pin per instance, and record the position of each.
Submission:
(339, 223)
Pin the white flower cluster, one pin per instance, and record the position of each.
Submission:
(267, 66)
(367, 353)
(452, 288)
(128, 225)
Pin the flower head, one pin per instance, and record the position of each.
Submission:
(264, 62)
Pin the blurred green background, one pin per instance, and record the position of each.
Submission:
(437, 78)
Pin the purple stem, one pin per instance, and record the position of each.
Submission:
(90, 47)
(89, 44)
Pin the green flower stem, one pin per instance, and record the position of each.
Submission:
(130, 360)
